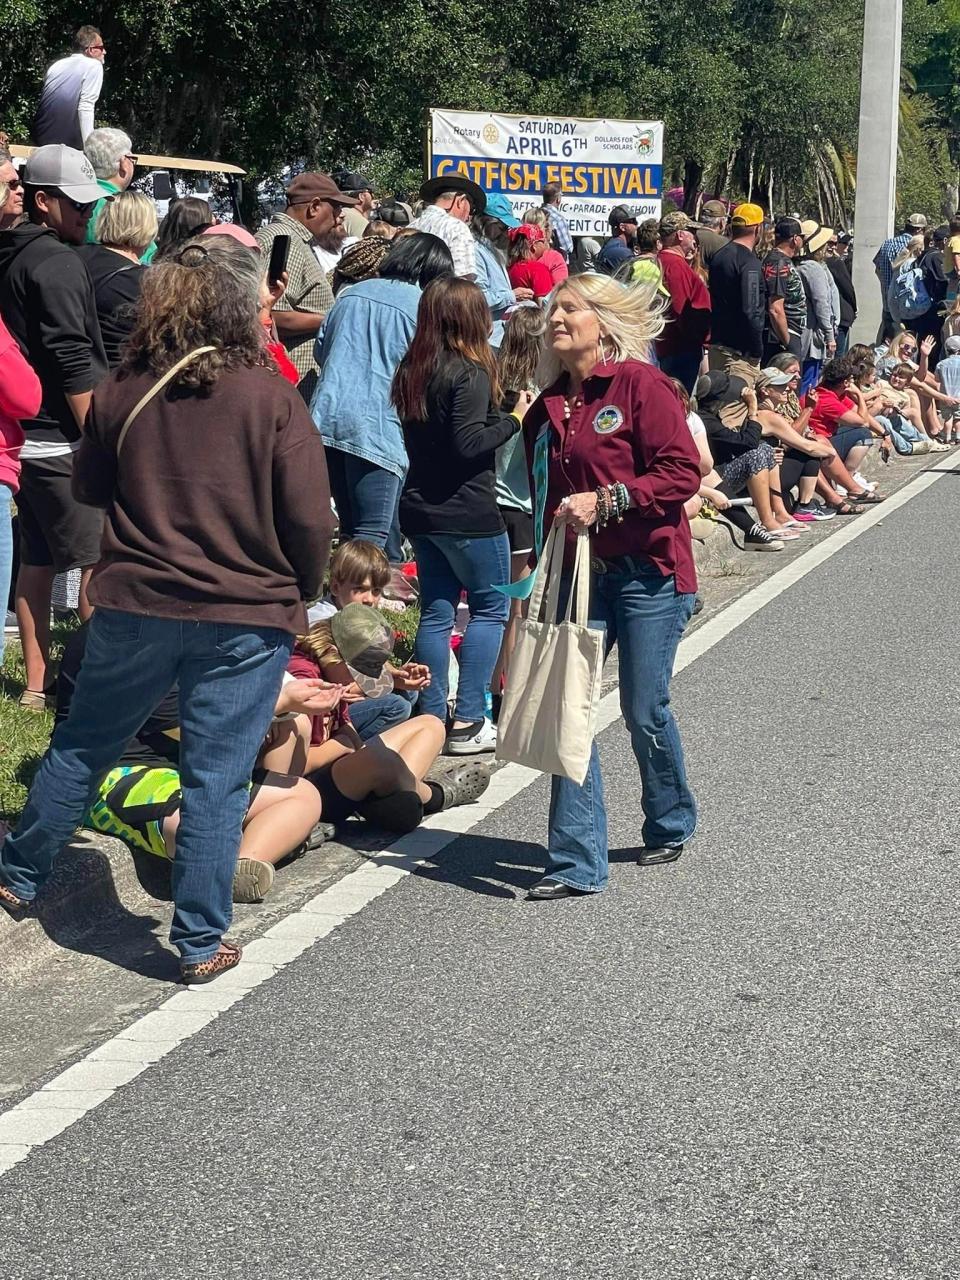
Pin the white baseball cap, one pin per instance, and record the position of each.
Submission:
(66, 169)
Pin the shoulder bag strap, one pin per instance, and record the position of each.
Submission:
(157, 386)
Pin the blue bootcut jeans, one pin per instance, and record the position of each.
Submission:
(6, 554)
(446, 566)
(229, 677)
(641, 611)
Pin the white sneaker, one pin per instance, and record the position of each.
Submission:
(863, 482)
(472, 740)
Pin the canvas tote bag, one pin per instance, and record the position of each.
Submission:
(549, 713)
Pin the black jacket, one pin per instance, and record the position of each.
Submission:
(451, 484)
(739, 300)
(47, 303)
(728, 443)
(934, 277)
(840, 271)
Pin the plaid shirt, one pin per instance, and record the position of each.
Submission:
(561, 229)
(307, 290)
(885, 256)
(455, 234)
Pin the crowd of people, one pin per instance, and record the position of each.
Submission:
(193, 415)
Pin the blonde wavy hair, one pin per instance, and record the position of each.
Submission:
(128, 221)
(911, 251)
(630, 314)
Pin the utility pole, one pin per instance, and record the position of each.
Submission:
(876, 156)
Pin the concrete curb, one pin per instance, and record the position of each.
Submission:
(94, 877)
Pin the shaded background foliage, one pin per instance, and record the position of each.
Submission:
(760, 97)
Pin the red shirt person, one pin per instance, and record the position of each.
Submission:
(680, 346)
(840, 415)
(528, 244)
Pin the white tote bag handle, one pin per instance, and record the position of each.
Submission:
(580, 584)
(545, 599)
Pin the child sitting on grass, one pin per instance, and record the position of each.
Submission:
(359, 571)
(383, 779)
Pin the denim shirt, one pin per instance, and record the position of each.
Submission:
(366, 334)
(493, 280)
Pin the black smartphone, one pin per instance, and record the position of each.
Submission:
(278, 258)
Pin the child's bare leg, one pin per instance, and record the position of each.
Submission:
(286, 749)
(282, 813)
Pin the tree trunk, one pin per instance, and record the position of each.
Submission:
(692, 179)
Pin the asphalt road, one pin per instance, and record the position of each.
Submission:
(743, 1066)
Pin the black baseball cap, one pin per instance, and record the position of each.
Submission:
(621, 214)
(786, 229)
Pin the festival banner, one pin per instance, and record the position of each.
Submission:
(599, 164)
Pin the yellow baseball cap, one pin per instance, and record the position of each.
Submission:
(747, 215)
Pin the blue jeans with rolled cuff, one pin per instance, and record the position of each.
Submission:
(643, 613)
(373, 716)
(228, 677)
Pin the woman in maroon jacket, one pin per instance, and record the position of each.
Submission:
(611, 451)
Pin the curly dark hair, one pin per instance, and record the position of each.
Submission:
(207, 295)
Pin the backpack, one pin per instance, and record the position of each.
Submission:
(907, 296)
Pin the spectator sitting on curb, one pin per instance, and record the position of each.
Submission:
(382, 780)
(359, 571)
(139, 799)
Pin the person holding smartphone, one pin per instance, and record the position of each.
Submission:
(312, 218)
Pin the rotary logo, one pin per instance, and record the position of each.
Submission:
(491, 133)
(645, 142)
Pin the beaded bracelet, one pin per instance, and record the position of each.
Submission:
(603, 506)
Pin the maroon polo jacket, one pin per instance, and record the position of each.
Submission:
(631, 428)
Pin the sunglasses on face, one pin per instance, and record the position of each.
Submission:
(80, 206)
(14, 184)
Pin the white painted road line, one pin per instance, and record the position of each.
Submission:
(84, 1086)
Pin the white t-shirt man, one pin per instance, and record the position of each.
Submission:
(70, 91)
